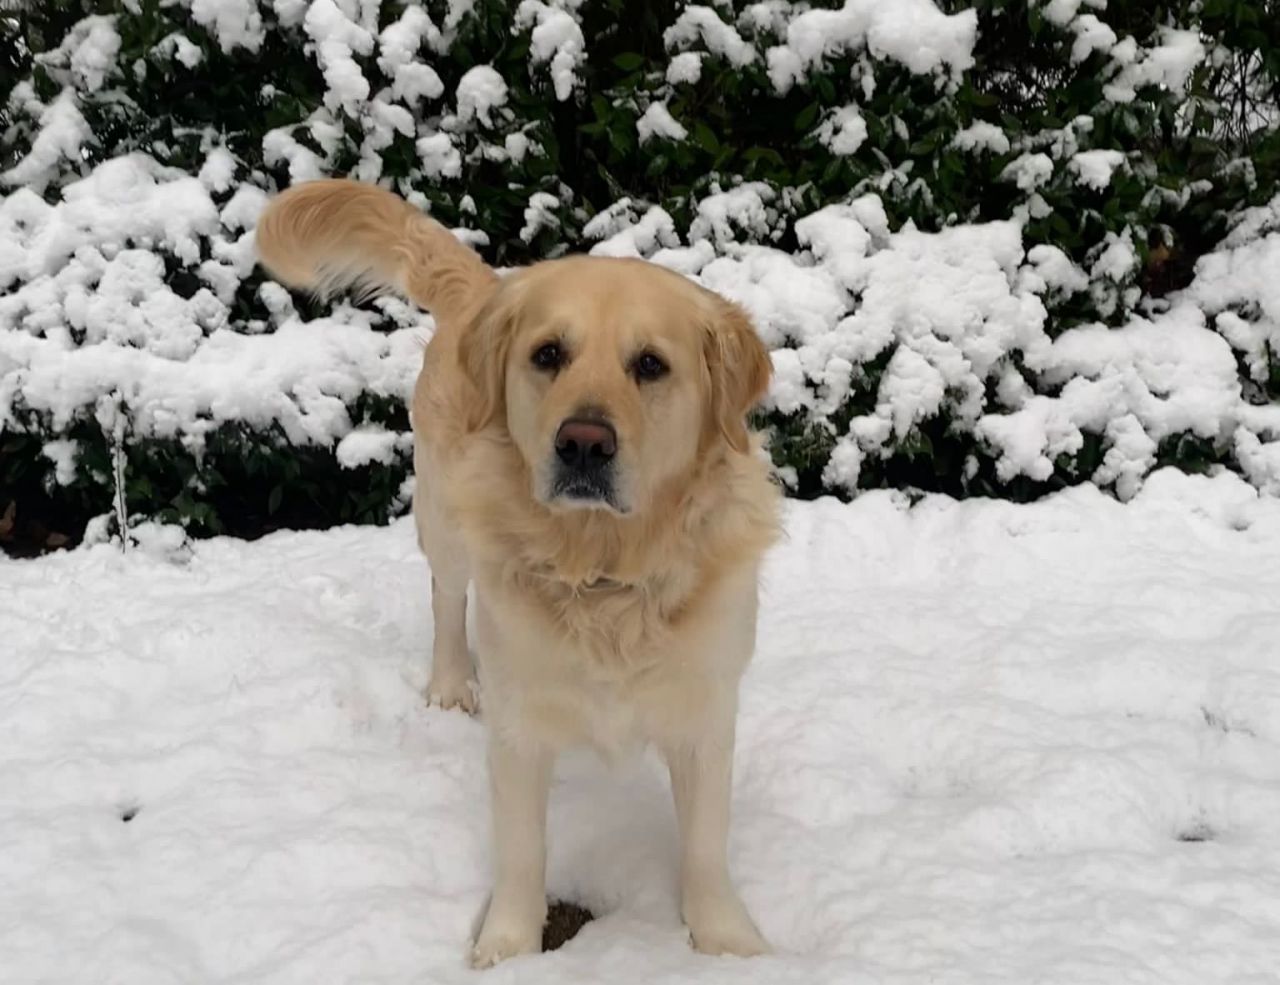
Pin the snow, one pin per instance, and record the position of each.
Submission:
(234, 23)
(457, 12)
(517, 146)
(439, 156)
(1118, 258)
(1091, 35)
(304, 164)
(949, 301)
(657, 121)
(1243, 272)
(1054, 272)
(1066, 12)
(365, 445)
(87, 56)
(981, 136)
(612, 220)
(173, 363)
(556, 38)
(540, 214)
(290, 12)
(1028, 171)
(1059, 12)
(697, 23)
(91, 324)
(163, 541)
(1168, 64)
(912, 32)
(949, 309)
(1260, 460)
(63, 454)
(789, 303)
(843, 132)
(301, 377)
(63, 132)
(1163, 377)
(128, 197)
(480, 91)
(1252, 222)
(685, 67)
(624, 234)
(845, 464)
(338, 40)
(724, 212)
(398, 45)
(218, 171)
(913, 389)
(1237, 286)
(979, 743)
(118, 296)
(1094, 168)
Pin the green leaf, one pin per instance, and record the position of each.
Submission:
(628, 61)
(658, 165)
(704, 138)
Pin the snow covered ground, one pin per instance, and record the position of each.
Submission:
(980, 743)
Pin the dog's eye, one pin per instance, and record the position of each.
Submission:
(648, 367)
(549, 356)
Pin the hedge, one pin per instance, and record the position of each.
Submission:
(997, 247)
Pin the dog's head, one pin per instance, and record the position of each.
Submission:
(612, 377)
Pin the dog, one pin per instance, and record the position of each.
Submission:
(582, 455)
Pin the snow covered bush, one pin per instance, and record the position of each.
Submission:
(997, 246)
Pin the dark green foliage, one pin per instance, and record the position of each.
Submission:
(1193, 160)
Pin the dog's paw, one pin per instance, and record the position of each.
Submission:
(449, 693)
(505, 938)
(487, 953)
(742, 941)
(721, 925)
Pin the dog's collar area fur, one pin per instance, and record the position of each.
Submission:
(600, 584)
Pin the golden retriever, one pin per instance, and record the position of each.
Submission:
(582, 455)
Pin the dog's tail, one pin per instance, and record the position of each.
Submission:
(332, 234)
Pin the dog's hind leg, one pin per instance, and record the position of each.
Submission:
(452, 679)
(452, 683)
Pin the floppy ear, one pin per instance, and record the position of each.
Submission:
(740, 368)
(482, 354)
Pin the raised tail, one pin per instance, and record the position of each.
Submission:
(327, 235)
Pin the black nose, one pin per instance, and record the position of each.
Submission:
(584, 444)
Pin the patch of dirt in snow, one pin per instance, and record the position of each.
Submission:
(564, 920)
(980, 743)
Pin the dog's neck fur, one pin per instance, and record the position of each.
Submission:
(618, 582)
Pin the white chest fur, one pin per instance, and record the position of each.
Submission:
(608, 666)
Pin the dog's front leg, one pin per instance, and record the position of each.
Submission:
(701, 782)
(519, 779)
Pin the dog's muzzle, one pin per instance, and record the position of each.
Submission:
(584, 469)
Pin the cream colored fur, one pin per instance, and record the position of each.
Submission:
(594, 626)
